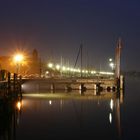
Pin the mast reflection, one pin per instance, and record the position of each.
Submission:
(115, 113)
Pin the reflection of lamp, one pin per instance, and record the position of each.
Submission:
(111, 64)
(19, 105)
(18, 58)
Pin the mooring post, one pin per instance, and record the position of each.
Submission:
(20, 84)
(14, 85)
(9, 82)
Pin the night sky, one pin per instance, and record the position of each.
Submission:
(56, 28)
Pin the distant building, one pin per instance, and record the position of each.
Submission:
(35, 63)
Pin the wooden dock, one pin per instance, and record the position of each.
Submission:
(10, 85)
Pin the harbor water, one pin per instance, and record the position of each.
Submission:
(73, 115)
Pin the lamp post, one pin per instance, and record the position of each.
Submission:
(18, 58)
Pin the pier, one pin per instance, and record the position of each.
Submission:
(10, 85)
(69, 84)
(59, 77)
(78, 80)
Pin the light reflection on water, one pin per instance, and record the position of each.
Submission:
(73, 115)
(63, 115)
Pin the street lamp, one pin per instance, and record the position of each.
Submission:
(50, 65)
(18, 58)
(110, 59)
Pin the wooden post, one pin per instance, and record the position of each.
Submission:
(9, 83)
(15, 85)
(20, 84)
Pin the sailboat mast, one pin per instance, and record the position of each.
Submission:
(81, 48)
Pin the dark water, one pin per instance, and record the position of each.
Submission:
(110, 116)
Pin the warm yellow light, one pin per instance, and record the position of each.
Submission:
(50, 65)
(18, 58)
(18, 105)
(57, 67)
(83, 71)
(110, 117)
(64, 68)
(93, 72)
(50, 102)
(47, 72)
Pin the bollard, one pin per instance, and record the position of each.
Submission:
(20, 88)
(9, 82)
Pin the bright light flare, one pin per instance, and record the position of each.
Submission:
(50, 102)
(110, 117)
(110, 59)
(50, 65)
(18, 58)
(18, 105)
(111, 65)
(58, 67)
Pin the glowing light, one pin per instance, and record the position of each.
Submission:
(50, 65)
(18, 105)
(110, 117)
(83, 71)
(50, 102)
(106, 73)
(111, 104)
(71, 69)
(110, 59)
(112, 65)
(18, 58)
(57, 67)
(64, 68)
(47, 72)
(93, 72)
